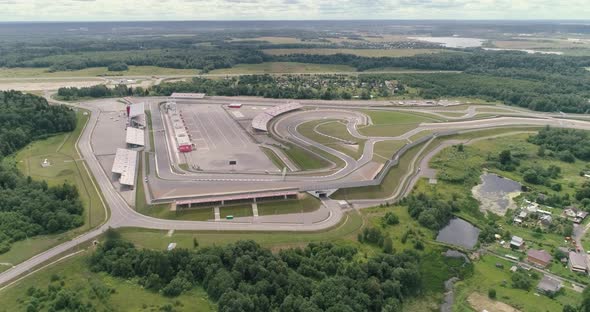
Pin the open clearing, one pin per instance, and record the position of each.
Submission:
(481, 303)
(66, 167)
(274, 40)
(283, 67)
(486, 276)
(358, 52)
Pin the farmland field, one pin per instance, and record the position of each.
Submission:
(358, 52)
(283, 67)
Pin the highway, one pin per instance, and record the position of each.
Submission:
(122, 215)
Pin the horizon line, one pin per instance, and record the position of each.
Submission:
(293, 20)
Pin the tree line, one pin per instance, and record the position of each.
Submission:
(98, 91)
(29, 208)
(538, 82)
(246, 277)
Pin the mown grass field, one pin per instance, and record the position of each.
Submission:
(345, 232)
(76, 276)
(384, 150)
(66, 167)
(21, 72)
(306, 203)
(358, 52)
(393, 123)
(273, 39)
(303, 158)
(282, 68)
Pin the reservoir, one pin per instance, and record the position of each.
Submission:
(495, 193)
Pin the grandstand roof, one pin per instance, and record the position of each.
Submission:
(136, 109)
(135, 136)
(260, 121)
(236, 197)
(125, 164)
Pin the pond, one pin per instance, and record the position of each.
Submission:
(495, 193)
(459, 233)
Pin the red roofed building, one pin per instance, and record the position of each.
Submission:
(540, 258)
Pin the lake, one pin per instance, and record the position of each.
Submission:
(495, 193)
(453, 42)
(459, 233)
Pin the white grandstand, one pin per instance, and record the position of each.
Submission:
(260, 121)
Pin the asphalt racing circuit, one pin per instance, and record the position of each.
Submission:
(167, 181)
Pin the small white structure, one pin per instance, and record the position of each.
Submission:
(178, 95)
(45, 163)
(517, 242)
(171, 246)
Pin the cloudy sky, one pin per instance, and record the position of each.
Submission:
(84, 10)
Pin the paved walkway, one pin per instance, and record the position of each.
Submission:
(255, 210)
(217, 214)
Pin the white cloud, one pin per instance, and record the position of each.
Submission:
(53, 10)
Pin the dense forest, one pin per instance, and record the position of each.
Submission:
(25, 117)
(542, 83)
(534, 81)
(327, 87)
(566, 143)
(246, 277)
(98, 91)
(27, 207)
(205, 58)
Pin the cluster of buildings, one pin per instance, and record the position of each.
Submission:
(576, 261)
(575, 215)
(125, 165)
(531, 211)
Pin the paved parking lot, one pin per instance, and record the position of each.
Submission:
(219, 139)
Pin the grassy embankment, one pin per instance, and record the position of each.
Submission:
(276, 160)
(66, 167)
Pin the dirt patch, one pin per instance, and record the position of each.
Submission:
(480, 302)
